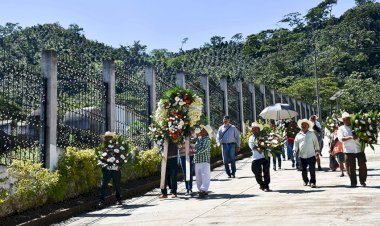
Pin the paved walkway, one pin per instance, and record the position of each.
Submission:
(240, 202)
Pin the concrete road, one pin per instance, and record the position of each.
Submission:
(239, 201)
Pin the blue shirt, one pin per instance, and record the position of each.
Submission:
(231, 135)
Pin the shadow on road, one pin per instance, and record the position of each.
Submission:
(298, 191)
(226, 196)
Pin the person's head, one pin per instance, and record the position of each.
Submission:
(313, 118)
(345, 118)
(109, 136)
(256, 127)
(226, 120)
(305, 125)
(273, 124)
(205, 131)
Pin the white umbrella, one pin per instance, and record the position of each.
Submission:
(278, 111)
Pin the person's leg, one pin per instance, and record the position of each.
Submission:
(304, 170)
(274, 160)
(311, 162)
(116, 179)
(232, 158)
(225, 155)
(106, 178)
(340, 158)
(266, 171)
(173, 167)
(198, 175)
(290, 153)
(318, 161)
(279, 160)
(257, 171)
(190, 183)
(351, 168)
(298, 160)
(183, 167)
(205, 168)
(362, 167)
(283, 153)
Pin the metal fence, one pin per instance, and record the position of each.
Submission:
(194, 82)
(216, 103)
(233, 104)
(81, 94)
(132, 104)
(247, 104)
(259, 101)
(21, 95)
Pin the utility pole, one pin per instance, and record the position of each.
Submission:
(316, 79)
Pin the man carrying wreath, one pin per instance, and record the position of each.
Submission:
(260, 164)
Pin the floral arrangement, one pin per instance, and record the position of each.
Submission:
(292, 130)
(366, 127)
(270, 142)
(332, 122)
(112, 153)
(178, 113)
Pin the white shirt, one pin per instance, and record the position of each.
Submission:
(351, 145)
(255, 154)
(306, 143)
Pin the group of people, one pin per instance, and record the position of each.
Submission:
(304, 150)
(306, 146)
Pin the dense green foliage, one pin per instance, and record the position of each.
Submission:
(344, 52)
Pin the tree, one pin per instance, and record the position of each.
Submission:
(237, 38)
(362, 2)
(183, 42)
(216, 40)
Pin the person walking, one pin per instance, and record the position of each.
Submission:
(171, 171)
(351, 149)
(318, 132)
(306, 143)
(202, 160)
(290, 140)
(228, 137)
(188, 184)
(336, 150)
(278, 156)
(260, 165)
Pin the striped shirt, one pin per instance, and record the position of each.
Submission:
(231, 135)
(203, 150)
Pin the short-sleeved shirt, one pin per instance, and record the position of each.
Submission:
(203, 150)
(255, 154)
(349, 146)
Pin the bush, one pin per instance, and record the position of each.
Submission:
(145, 163)
(78, 173)
(34, 185)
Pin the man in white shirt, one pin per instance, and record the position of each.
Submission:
(307, 144)
(351, 149)
(260, 164)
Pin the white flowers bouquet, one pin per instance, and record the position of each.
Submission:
(112, 153)
(366, 127)
(178, 112)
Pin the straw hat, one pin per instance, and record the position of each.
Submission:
(255, 124)
(299, 123)
(208, 129)
(344, 115)
(109, 134)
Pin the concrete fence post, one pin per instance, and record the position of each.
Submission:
(150, 81)
(239, 89)
(110, 106)
(251, 88)
(49, 72)
(223, 87)
(206, 88)
(180, 80)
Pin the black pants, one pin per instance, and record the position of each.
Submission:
(259, 167)
(304, 164)
(351, 167)
(171, 176)
(115, 175)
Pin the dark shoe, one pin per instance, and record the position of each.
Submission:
(292, 165)
(262, 188)
(233, 175)
(163, 196)
(363, 184)
(202, 194)
(279, 167)
(119, 202)
(229, 176)
(305, 183)
(274, 168)
(267, 190)
(313, 185)
(353, 186)
(319, 168)
(342, 175)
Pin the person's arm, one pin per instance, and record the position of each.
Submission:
(343, 138)
(295, 145)
(217, 137)
(251, 142)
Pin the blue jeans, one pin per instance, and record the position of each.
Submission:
(188, 184)
(228, 152)
(278, 156)
(289, 150)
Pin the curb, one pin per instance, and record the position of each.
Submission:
(64, 214)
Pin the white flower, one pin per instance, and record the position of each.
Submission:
(116, 150)
(122, 148)
(117, 161)
(262, 143)
(104, 154)
(182, 103)
(110, 141)
(117, 142)
(369, 120)
(122, 156)
(125, 161)
(100, 162)
(356, 121)
(112, 159)
(177, 99)
(110, 146)
(362, 121)
(197, 130)
(370, 127)
(369, 133)
(275, 141)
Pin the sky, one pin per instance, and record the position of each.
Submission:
(159, 24)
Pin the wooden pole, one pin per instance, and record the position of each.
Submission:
(163, 164)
